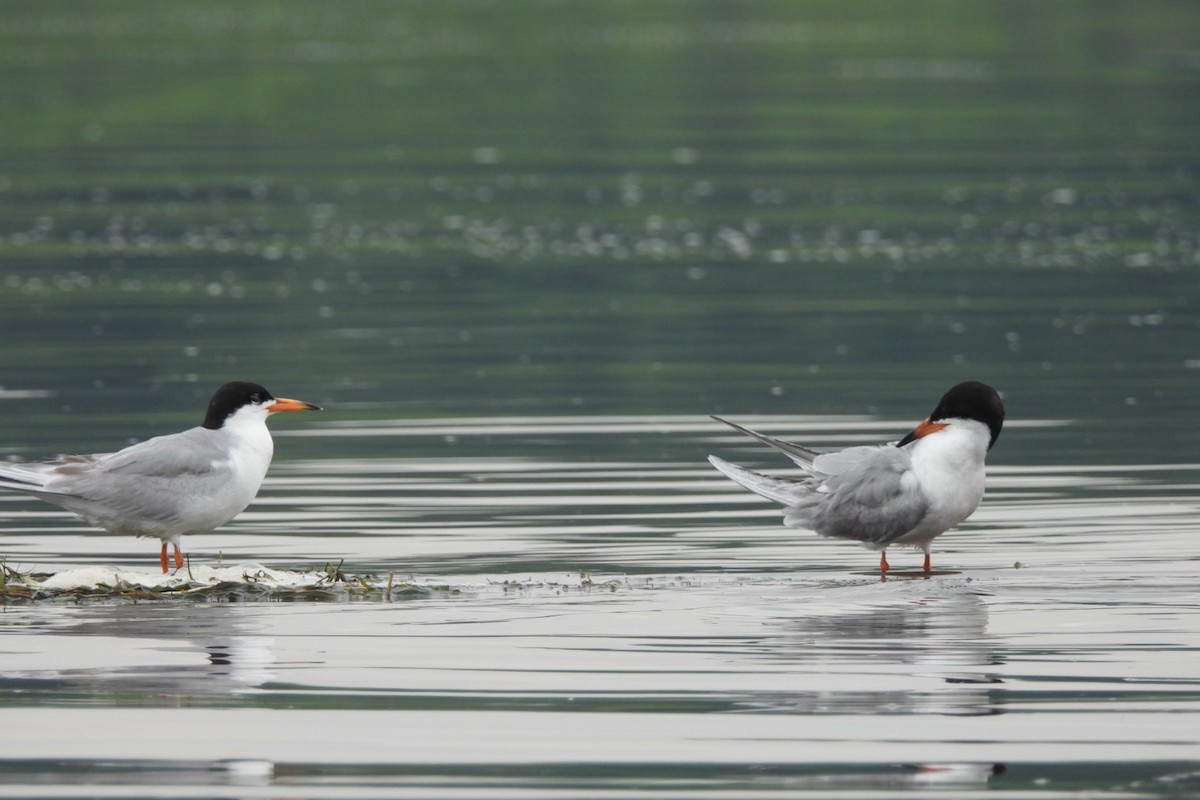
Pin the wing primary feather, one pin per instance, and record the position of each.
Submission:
(801, 455)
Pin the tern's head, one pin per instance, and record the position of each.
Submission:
(241, 399)
(970, 400)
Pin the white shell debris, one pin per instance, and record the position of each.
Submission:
(87, 578)
(254, 581)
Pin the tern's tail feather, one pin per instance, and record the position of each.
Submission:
(28, 478)
(781, 490)
(20, 478)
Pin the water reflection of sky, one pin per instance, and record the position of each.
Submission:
(651, 590)
(658, 656)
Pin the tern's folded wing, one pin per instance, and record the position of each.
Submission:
(189, 453)
(873, 496)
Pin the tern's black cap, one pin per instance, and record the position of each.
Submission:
(972, 400)
(229, 398)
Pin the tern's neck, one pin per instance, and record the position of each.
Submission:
(250, 441)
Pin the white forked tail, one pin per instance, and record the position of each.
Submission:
(20, 478)
(25, 478)
(781, 490)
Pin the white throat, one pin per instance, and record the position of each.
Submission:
(250, 443)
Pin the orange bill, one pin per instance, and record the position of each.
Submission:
(924, 429)
(287, 404)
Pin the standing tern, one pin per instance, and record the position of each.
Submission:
(906, 493)
(168, 486)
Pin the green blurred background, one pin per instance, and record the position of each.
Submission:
(552, 208)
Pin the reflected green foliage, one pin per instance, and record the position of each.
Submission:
(430, 209)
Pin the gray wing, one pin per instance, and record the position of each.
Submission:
(870, 495)
(150, 484)
(188, 453)
(852, 458)
(194, 452)
(804, 456)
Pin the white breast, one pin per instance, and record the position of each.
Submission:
(949, 468)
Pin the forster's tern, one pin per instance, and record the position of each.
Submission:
(168, 486)
(904, 493)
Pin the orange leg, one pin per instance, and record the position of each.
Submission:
(928, 563)
(162, 558)
(883, 564)
(179, 559)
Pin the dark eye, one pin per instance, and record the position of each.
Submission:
(256, 398)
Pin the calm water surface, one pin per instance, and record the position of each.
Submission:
(520, 252)
(621, 629)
